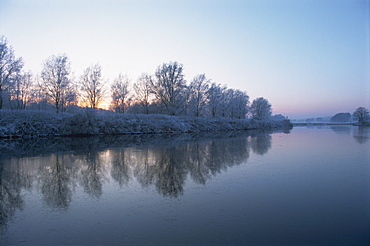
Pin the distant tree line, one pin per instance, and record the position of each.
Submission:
(341, 117)
(164, 92)
(361, 115)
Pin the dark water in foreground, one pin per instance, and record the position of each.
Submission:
(308, 187)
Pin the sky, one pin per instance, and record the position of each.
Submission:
(308, 58)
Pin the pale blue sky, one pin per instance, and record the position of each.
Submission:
(308, 58)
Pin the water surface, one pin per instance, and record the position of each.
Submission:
(310, 186)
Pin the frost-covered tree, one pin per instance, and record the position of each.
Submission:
(120, 93)
(9, 67)
(278, 117)
(215, 99)
(226, 97)
(261, 108)
(55, 80)
(361, 115)
(198, 95)
(92, 86)
(237, 104)
(224, 102)
(143, 91)
(169, 87)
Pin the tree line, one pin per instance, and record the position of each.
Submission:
(166, 91)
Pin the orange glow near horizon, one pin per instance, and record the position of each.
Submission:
(103, 104)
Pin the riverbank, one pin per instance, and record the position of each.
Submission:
(35, 124)
(329, 124)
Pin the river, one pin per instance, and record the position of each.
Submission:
(309, 186)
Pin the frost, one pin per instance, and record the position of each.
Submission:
(33, 123)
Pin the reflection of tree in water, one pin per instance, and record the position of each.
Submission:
(260, 143)
(168, 166)
(218, 155)
(361, 134)
(165, 166)
(120, 169)
(170, 173)
(341, 129)
(90, 175)
(144, 166)
(56, 183)
(12, 180)
(198, 157)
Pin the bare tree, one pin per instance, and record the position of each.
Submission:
(261, 108)
(143, 91)
(92, 86)
(9, 67)
(361, 115)
(198, 98)
(120, 93)
(71, 96)
(55, 81)
(21, 91)
(39, 100)
(169, 86)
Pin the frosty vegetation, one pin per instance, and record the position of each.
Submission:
(54, 102)
(35, 123)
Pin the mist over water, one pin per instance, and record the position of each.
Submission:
(309, 186)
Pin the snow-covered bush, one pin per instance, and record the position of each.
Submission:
(81, 123)
(29, 123)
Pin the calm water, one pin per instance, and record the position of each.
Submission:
(307, 187)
